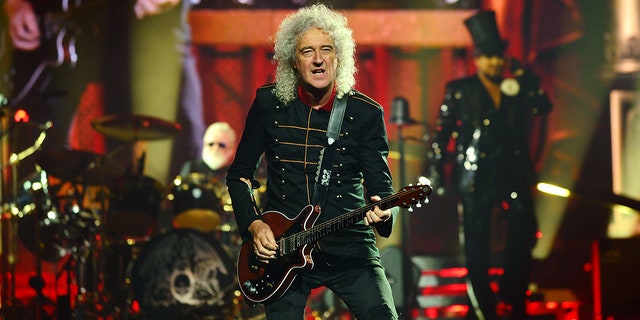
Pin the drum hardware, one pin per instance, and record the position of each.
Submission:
(9, 306)
(84, 216)
(63, 223)
(137, 199)
(79, 240)
(36, 281)
(63, 228)
(123, 292)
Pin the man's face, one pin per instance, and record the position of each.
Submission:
(217, 151)
(491, 66)
(316, 60)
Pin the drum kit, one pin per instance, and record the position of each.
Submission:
(91, 212)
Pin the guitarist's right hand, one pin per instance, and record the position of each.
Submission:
(23, 24)
(264, 242)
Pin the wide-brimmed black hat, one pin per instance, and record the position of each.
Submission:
(484, 32)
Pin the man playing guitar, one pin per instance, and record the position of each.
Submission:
(288, 124)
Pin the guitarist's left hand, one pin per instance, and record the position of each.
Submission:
(376, 215)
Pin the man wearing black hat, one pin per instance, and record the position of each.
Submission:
(487, 115)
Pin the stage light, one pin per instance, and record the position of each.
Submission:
(21, 116)
(553, 189)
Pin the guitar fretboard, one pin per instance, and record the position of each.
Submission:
(404, 198)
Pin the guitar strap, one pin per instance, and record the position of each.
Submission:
(325, 163)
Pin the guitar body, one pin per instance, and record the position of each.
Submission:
(264, 282)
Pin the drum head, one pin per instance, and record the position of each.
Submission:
(184, 274)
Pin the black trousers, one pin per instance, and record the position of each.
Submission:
(361, 284)
(519, 241)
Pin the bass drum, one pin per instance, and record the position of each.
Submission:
(184, 274)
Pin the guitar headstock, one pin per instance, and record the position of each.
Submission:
(413, 195)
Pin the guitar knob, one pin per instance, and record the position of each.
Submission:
(253, 290)
(247, 284)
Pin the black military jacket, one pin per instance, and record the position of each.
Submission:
(291, 137)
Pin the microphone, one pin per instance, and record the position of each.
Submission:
(400, 111)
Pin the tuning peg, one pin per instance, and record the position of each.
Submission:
(418, 205)
(426, 200)
(410, 209)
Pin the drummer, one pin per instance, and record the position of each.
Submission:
(200, 197)
(219, 144)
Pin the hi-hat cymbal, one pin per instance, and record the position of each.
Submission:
(136, 127)
(78, 166)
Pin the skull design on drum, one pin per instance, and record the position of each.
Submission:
(184, 273)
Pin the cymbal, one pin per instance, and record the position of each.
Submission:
(136, 127)
(78, 166)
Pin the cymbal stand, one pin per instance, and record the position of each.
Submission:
(36, 282)
(87, 257)
(93, 254)
(64, 301)
(87, 289)
(9, 253)
(80, 258)
(8, 230)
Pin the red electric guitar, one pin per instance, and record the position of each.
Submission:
(265, 282)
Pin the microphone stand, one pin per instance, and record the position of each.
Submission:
(400, 118)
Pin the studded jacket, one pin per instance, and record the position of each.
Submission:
(290, 137)
(487, 148)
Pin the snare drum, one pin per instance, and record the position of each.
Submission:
(184, 274)
(199, 202)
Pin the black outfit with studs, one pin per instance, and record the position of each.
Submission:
(490, 169)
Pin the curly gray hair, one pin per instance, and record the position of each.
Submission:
(292, 28)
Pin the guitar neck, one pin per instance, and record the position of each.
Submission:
(338, 223)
